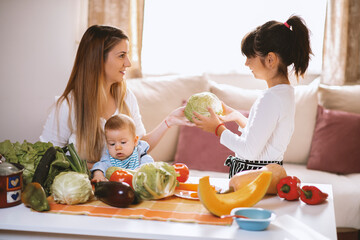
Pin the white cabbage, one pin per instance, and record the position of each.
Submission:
(71, 188)
(200, 102)
(155, 180)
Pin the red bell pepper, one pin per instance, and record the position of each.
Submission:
(312, 195)
(122, 176)
(289, 188)
(183, 172)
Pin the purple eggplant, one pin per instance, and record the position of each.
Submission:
(116, 194)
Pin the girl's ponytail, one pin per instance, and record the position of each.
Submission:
(300, 50)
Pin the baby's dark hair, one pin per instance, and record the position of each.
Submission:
(289, 40)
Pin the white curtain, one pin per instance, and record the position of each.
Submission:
(341, 64)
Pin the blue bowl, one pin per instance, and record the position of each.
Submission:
(258, 218)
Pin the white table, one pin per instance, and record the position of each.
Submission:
(295, 220)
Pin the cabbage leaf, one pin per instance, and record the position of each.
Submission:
(155, 180)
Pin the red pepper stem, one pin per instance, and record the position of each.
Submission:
(308, 194)
(285, 188)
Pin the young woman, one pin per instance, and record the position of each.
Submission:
(269, 49)
(96, 90)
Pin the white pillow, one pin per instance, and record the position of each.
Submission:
(344, 98)
(306, 101)
(159, 96)
(305, 114)
(235, 97)
(238, 80)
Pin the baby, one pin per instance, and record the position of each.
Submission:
(124, 149)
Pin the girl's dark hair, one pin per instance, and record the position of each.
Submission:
(291, 44)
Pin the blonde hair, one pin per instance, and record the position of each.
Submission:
(86, 86)
(121, 121)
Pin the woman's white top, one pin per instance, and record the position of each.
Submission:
(269, 128)
(57, 131)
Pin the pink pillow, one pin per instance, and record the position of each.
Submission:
(336, 142)
(202, 150)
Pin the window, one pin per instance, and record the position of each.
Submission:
(196, 36)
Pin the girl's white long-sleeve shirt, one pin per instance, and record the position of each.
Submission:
(269, 128)
(57, 130)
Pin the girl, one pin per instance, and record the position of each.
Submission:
(269, 49)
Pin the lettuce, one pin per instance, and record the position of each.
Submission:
(155, 180)
(71, 188)
(200, 102)
(27, 154)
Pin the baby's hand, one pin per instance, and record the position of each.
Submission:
(99, 177)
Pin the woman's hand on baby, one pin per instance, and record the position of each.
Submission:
(207, 124)
(177, 117)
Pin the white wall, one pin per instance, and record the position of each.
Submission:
(37, 49)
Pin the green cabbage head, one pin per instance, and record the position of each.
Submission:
(155, 180)
(200, 102)
(71, 188)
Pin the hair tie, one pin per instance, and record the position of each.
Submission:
(288, 26)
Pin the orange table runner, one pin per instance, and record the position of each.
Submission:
(169, 209)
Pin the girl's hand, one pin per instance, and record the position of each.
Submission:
(177, 117)
(231, 114)
(208, 124)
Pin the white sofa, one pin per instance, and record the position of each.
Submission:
(158, 96)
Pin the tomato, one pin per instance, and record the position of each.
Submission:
(121, 176)
(183, 170)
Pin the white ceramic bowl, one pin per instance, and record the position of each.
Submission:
(258, 219)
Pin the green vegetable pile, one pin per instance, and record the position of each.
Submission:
(200, 102)
(51, 163)
(27, 154)
(155, 180)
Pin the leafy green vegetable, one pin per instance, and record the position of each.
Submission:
(26, 154)
(76, 163)
(29, 155)
(200, 102)
(155, 180)
(71, 188)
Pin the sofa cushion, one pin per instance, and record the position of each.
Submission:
(235, 97)
(159, 96)
(202, 150)
(305, 115)
(345, 98)
(335, 144)
(306, 101)
(238, 80)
